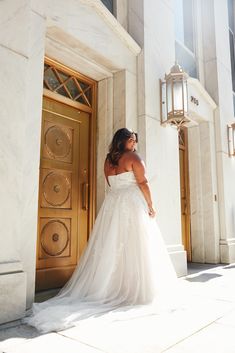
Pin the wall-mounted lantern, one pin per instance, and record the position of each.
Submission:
(231, 139)
(174, 97)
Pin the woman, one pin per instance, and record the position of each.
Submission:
(125, 263)
(123, 157)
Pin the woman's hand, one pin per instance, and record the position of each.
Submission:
(152, 211)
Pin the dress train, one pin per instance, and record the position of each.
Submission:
(125, 270)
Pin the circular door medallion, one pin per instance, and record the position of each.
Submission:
(57, 142)
(56, 189)
(54, 237)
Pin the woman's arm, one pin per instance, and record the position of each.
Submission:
(139, 170)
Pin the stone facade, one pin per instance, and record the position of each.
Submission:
(126, 54)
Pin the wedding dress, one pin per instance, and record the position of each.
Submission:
(125, 265)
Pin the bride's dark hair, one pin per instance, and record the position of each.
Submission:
(117, 146)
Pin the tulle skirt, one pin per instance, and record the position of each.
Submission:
(124, 270)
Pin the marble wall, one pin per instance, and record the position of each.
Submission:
(21, 55)
(127, 65)
(217, 68)
(158, 145)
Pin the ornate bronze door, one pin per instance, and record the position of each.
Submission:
(63, 192)
(184, 191)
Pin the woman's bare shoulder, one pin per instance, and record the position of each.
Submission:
(134, 155)
(131, 154)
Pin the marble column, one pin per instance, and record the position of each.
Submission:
(217, 68)
(21, 46)
(158, 145)
(203, 195)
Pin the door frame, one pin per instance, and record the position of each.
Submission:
(92, 133)
(184, 147)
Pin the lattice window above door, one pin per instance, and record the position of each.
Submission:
(67, 85)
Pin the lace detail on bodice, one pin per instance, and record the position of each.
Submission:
(125, 191)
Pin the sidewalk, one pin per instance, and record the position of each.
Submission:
(207, 326)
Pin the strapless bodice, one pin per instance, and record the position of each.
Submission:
(122, 180)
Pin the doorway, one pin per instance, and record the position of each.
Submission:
(184, 191)
(65, 178)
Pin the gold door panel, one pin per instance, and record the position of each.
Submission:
(63, 199)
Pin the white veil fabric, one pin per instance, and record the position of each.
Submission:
(124, 271)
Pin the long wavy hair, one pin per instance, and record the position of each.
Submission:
(117, 146)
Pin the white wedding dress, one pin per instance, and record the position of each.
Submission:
(124, 268)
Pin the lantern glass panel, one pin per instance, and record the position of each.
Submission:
(164, 107)
(185, 89)
(178, 96)
(169, 97)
